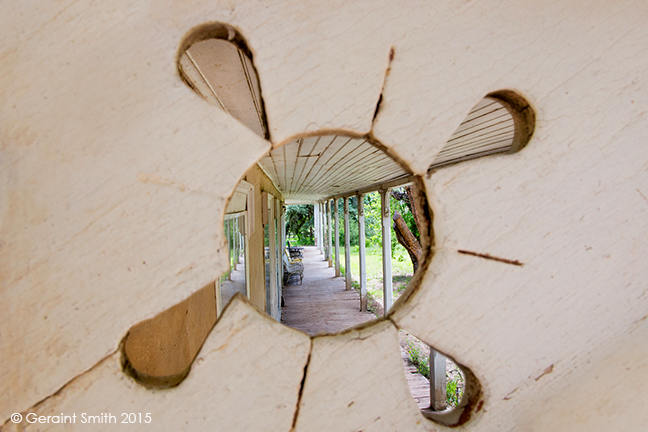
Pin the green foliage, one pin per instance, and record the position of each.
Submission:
(300, 224)
(373, 222)
(418, 359)
(373, 219)
(404, 207)
(421, 360)
(454, 389)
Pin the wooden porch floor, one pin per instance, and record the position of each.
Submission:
(323, 305)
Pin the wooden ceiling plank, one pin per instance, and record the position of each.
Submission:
(363, 175)
(503, 119)
(308, 146)
(491, 107)
(484, 134)
(503, 133)
(336, 145)
(357, 153)
(468, 157)
(300, 143)
(323, 144)
(343, 151)
(460, 154)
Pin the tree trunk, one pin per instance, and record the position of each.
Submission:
(413, 207)
(407, 239)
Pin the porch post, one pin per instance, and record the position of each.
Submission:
(316, 223)
(386, 251)
(228, 226)
(321, 226)
(282, 227)
(240, 237)
(363, 257)
(325, 230)
(337, 238)
(329, 237)
(235, 244)
(347, 245)
(438, 381)
(245, 245)
(272, 307)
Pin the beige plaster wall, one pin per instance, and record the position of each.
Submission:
(160, 350)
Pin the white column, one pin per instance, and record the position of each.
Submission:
(325, 219)
(235, 243)
(329, 237)
(228, 225)
(316, 223)
(282, 226)
(347, 245)
(363, 254)
(321, 227)
(245, 237)
(438, 381)
(324, 229)
(324, 242)
(279, 262)
(388, 295)
(241, 229)
(271, 308)
(337, 238)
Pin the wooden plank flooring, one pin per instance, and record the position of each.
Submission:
(321, 304)
(418, 384)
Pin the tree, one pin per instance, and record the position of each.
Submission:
(299, 221)
(407, 234)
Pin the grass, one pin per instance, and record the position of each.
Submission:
(419, 358)
(401, 269)
(454, 389)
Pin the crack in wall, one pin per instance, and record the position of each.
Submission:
(491, 257)
(301, 387)
(64, 386)
(392, 54)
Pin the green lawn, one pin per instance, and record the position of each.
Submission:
(401, 269)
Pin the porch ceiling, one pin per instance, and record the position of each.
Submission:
(310, 169)
(319, 167)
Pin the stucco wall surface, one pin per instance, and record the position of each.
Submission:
(114, 177)
(242, 358)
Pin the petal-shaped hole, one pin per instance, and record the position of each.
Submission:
(445, 391)
(216, 63)
(158, 352)
(501, 123)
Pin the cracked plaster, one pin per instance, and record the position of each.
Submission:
(83, 241)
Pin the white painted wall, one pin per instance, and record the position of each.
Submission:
(114, 175)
